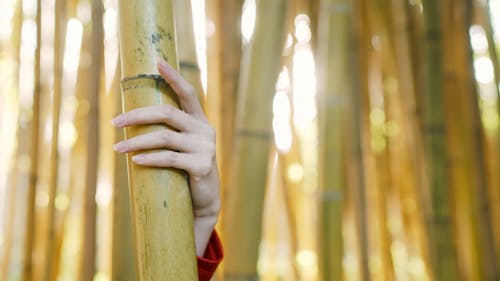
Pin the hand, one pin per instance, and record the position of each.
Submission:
(191, 147)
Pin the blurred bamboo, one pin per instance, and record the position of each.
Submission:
(59, 38)
(13, 174)
(88, 253)
(333, 87)
(231, 42)
(463, 103)
(122, 251)
(439, 219)
(358, 116)
(253, 128)
(160, 199)
(485, 18)
(411, 133)
(35, 138)
(188, 62)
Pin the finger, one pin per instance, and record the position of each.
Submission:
(164, 113)
(194, 164)
(184, 90)
(159, 139)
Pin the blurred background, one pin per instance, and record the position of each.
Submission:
(376, 123)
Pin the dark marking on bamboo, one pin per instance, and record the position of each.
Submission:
(164, 204)
(433, 35)
(339, 8)
(190, 65)
(332, 196)
(261, 134)
(127, 82)
(435, 129)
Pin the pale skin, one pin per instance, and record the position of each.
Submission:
(190, 147)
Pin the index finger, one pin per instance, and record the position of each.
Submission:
(184, 90)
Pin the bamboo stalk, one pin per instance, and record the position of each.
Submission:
(253, 127)
(35, 136)
(358, 112)
(478, 189)
(231, 41)
(160, 198)
(188, 63)
(440, 217)
(333, 86)
(122, 261)
(13, 174)
(414, 186)
(495, 188)
(87, 259)
(59, 36)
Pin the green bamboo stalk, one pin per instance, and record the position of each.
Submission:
(35, 136)
(333, 86)
(88, 252)
(261, 65)
(440, 217)
(160, 198)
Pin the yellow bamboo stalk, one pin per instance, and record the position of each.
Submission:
(35, 136)
(122, 254)
(160, 198)
(59, 36)
(188, 63)
(474, 147)
(230, 56)
(87, 259)
(13, 174)
(261, 65)
(485, 17)
(358, 116)
(333, 86)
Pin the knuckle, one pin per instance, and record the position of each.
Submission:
(166, 111)
(171, 158)
(166, 136)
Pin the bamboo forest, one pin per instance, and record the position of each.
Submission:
(355, 139)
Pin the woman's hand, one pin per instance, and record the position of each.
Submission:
(191, 147)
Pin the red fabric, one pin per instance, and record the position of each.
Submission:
(213, 256)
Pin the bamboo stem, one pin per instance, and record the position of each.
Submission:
(333, 86)
(87, 260)
(35, 135)
(440, 219)
(13, 173)
(261, 65)
(358, 112)
(188, 63)
(160, 198)
(59, 36)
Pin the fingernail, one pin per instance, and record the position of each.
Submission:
(118, 121)
(138, 158)
(120, 147)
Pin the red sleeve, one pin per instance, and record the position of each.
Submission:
(213, 256)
